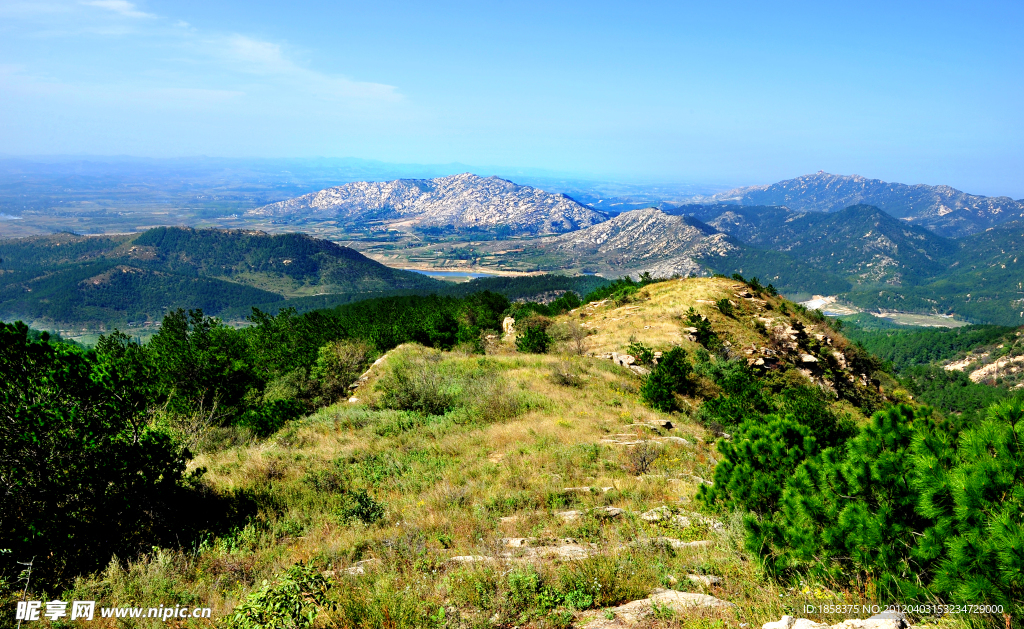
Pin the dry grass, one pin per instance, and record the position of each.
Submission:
(457, 484)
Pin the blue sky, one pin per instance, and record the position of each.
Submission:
(732, 93)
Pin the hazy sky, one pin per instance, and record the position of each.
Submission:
(736, 93)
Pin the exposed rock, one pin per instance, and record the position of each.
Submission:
(624, 360)
(671, 541)
(704, 579)
(636, 611)
(598, 512)
(607, 512)
(508, 328)
(518, 542)
(586, 490)
(366, 374)
(572, 514)
(630, 440)
(676, 518)
(359, 567)
(786, 622)
(566, 549)
(1001, 366)
(880, 621)
(678, 440)
(471, 559)
(646, 239)
(807, 358)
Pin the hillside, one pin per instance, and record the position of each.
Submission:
(943, 210)
(650, 240)
(75, 281)
(395, 460)
(453, 478)
(458, 202)
(636, 239)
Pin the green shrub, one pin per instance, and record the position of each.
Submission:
(266, 419)
(644, 355)
(757, 463)
(338, 365)
(704, 334)
(725, 307)
(418, 380)
(670, 376)
(359, 505)
(567, 374)
(907, 505)
(641, 457)
(84, 475)
(293, 601)
(416, 384)
(533, 340)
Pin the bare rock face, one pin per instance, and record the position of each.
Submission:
(644, 240)
(458, 201)
(508, 328)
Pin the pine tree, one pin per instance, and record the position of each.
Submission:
(757, 463)
(980, 502)
(670, 376)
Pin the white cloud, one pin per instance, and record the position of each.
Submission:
(122, 7)
(269, 59)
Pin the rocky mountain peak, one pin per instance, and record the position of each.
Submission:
(464, 201)
(942, 209)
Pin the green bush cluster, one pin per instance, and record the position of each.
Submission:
(704, 334)
(469, 391)
(622, 290)
(294, 601)
(909, 505)
(671, 376)
(85, 474)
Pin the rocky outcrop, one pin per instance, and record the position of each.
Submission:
(463, 201)
(644, 239)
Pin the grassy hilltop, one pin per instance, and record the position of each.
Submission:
(506, 488)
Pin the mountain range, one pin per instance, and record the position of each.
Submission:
(460, 202)
(871, 256)
(944, 210)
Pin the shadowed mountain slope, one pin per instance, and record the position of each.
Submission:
(114, 280)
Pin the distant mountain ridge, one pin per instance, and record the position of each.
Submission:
(458, 202)
(67, 279)
(943, 210)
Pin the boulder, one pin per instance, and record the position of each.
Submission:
(508, 327)
(607, 512)
(704, 579)
(637, 611)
